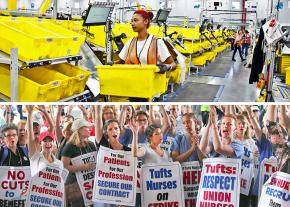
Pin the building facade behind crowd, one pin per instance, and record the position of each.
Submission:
(39, 135)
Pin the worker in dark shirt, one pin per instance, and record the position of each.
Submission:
(11, 154)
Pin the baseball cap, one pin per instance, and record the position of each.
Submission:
(79, 123)
(45, 134)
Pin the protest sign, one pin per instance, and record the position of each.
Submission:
(138, 183)
(247, 171)
(14, 182)
(162, 185)
(267, 168)
(85, 178)
(220, 183)
(276, 191)
(47, 187)
(115, 178)
(191, 179)
(166, 144)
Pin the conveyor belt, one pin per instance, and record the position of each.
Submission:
(285, 91)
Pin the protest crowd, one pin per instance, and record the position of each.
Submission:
(145, 155)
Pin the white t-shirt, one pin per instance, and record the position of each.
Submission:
(152, 157)
(162, 51)
(38, 162)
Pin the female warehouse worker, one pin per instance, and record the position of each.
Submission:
(145, 48)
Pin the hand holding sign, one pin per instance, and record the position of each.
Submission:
(89, 166)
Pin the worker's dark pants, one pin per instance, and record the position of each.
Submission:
(245, 49)
(237, 47)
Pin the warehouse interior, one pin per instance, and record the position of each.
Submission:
(51, 51)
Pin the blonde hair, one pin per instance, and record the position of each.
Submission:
(75, 138)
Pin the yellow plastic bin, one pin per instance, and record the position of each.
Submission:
(287, 76)
(140, 81)
(34, 85)
(72, 41)
(285, 63)
(33, 43)
(174, 76)
(79, 76)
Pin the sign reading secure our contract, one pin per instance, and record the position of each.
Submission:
(115, 178)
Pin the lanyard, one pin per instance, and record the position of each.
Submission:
(142, 47)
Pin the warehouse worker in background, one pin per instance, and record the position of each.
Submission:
(237, 45)
(145, 48)
(246, 43)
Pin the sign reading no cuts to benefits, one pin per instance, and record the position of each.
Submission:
(14, 184)
(115, 178)
(162, 185)
(85, 178)
(276, 191)
(47, 187)
(191, 178)
(220, 183)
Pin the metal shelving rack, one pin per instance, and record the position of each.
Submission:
(16, 65)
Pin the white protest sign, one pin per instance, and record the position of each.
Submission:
(14, 182)
(276, 191)
(191, 179)
(165, 145)
(47, 187)
(86, 178)
(138, 182)
(267, 168)
(162, 185)
(139, 166)
(115, 178)
(247, 171)
(220, 182)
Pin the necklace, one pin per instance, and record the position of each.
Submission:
(142, 47)
(17, 154)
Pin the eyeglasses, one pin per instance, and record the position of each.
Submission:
(11, 135)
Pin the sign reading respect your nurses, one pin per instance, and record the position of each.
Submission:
(115, 177)
(220, 183)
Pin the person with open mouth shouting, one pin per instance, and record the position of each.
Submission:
(223, 143)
